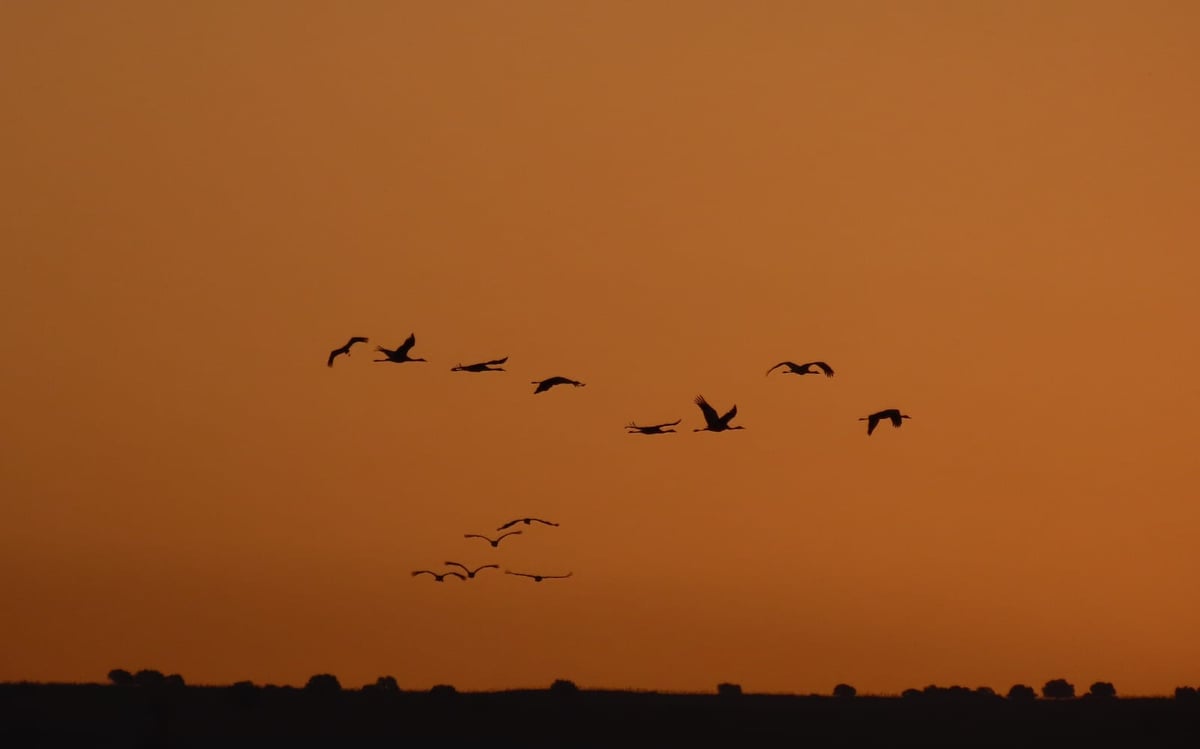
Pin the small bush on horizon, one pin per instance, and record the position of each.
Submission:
(564, 686)
(844, 691)
(726, 689)
(1186, 694)
(1022, 693)
(323, 683)
(120, 677)
(443, 690)
(383, 684)
(1058, 689)
(1102, 690)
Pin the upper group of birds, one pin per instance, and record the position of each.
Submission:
(469, 574)
(712, 421)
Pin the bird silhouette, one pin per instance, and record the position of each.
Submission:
(546, 384)
(526, 521)
(344, 349)
(712, 421)
(803, 369)
(538, 578)
(495, 542)
(471, 572)
(888, 413)
(439, 578)
(483, 366)
(653, 428)
(400, 354)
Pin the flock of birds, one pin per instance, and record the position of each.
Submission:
(712, 421)
(469, 574)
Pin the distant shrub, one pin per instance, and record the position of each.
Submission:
(1102, 690)
(726, 689)
(1021, 693)
(323, 683)
(845, 691)
(175, 681)
(443, 690)
(1058, 689)
(985, 692)
(148, 677)
(564, 686)
(120, 677)
(243, 685)
(911, 693)
(384, 684)
(1186, 694)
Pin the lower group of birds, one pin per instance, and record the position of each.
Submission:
(712, 421)
(469, 573)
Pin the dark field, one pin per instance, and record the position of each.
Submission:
(37, 715)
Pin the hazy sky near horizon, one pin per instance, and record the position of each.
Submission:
(981, 213)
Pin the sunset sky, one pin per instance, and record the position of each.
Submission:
(982, 213)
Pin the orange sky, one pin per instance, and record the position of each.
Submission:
(982, 213)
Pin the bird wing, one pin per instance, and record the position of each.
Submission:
(542, 386)
(509, 524)
(356, 339)
(546, 522)
(494, 362)
(710, 414)
(505, 535)
(456, 564)
(559, 576)
(728, 417)
(780, 364)
(423, 572)
(896, 418)
(408, 344)
(484, 567)
(519, 574)
(872, 422)
(454, 574)
(333, 355)
(828, 370)
(668, 424)
(475, 535)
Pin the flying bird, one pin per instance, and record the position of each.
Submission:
(653, 428)
(544, 385)
(495, 542)
(400, 354)
(471, 572)
(344, 349)
(526, 521)
(483, 366)
(715, 423)
(439, 578)
(888, 413)
(803, 369)
(538, 578)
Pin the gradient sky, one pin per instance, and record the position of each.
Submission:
(982, 213)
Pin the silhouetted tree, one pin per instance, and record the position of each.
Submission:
(910, 693)
(1186, 694)
(1058, 689)
(384, 684)
(564, 686)
(1103, 690)
(148, 677)
(120, 677)
(844, 690)
(726, 689)
(1021, 693)
(443, 690)
(175, 681)
(323, 683)
(985, 692)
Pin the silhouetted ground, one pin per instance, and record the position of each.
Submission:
(52, 715)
